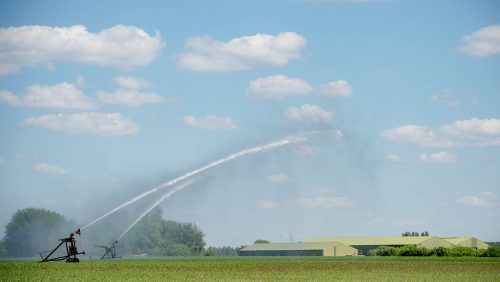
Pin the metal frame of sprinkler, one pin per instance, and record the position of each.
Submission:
(71, 249)
(110, 251)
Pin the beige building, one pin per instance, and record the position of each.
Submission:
(299, 249)
(364, 244)
(470, 242)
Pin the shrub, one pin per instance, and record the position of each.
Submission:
(382, 251)
(492, 251)
(439, 251)
(461, 252)
(409, 250)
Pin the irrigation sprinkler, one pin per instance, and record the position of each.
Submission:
(110, 251)
(71, 249)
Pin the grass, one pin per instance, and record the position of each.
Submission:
(258, 269)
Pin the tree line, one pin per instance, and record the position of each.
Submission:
(32, 230)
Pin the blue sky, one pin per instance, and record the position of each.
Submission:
(100, 101)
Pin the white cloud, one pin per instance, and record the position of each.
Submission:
(483, 42)
(278, 178)
(80, 82)
(325, 202)
(439, 157)
(308, 114)
(264, 204)
(339, 88)
(472, 132)
(129, 97)
(446, 97)
(120, 47)
(306, 150)
(211, 122)
(473, 201)
(60, 96)
(277, 87)
(48, 168)
(394, 157)
(111, 124)
(207, 54)
(129, 82)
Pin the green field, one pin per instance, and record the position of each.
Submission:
(258, 269)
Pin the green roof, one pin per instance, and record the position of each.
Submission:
(288, 246)
(456, 240)
(391, 240)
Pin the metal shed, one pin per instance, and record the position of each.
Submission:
(299, 249)
(364, 244)
(470, 242)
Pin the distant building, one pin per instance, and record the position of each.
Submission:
(470, 242)
(364, 244)
(299, 249)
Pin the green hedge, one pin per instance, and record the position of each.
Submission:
(492, 251)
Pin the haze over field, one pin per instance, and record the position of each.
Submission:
(103, 101)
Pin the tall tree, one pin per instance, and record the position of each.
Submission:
(32, 230)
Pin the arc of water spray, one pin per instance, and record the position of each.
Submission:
(287, 140)
(155, 204)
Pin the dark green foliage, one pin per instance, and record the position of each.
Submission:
(411, 251)
(414, 234)
(382, 251)
(33, 230)
(261, 241)
(3, 251)
(223, 251)
(159, 237)
(492, 251)
(439, 251)
(493, 243)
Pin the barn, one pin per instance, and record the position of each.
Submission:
(299, 249)
(470, 242)
(364, 244)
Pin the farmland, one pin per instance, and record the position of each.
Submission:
(259, 269)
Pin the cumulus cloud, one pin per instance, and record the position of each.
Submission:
(339, 88)
(264, 204)
(48, 168)
(277, 87)
(110, 124)
(394, 157)
(209, 55)
(306, 150)
(278, 178)
(60, 96)
(484, 199)
(129, 97)
(447, 98)
(472, 132)
(308, 114)
(439, 157)
(325, 202)
(119, 47)
(129, 82)
(211, 122)
(483, 42)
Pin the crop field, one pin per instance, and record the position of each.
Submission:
(257, 269)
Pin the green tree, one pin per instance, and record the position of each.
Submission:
(33, 230)
(159, 237)
(3, 251)
(261, 241)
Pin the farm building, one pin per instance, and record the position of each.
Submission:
(364, 244)
(470, 242)
(299, 249)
